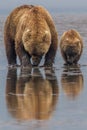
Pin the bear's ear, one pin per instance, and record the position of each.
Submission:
(77, 40)
(28, 30)
(26, 35)
(45, 37)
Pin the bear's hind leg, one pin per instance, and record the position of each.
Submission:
(10, 52)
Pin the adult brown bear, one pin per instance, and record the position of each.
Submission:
(30, 33)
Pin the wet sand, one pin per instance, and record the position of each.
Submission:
(53, 98)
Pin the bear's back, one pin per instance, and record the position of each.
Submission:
(20, 14)
(13, 19)
(17, 13)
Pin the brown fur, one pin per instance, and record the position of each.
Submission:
(71, 46)
(29, 32)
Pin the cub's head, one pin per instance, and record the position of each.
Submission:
(71, 46)
(36, 44)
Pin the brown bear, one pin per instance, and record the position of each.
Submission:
(71, 46)
(30, 33)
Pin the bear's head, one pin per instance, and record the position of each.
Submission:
(36, 43)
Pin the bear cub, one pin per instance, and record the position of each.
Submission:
(71, 46)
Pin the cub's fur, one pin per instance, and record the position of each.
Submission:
(71, 46)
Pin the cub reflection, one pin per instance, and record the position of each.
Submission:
(72, 82)
(31, 96)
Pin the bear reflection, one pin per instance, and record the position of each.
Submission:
(72, 82)
(31, 97)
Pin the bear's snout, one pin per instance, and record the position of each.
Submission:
(36, 60)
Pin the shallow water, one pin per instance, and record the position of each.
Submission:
(45, 99)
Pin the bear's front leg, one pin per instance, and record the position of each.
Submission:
(50, 56)
(23, 56)
(49, 60)
(25, 60)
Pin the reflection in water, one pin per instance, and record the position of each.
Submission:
(31, 96)
(72, 82)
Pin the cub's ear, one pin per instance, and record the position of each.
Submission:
(77, 40)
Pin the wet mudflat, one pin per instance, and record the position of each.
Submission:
(53, 98)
